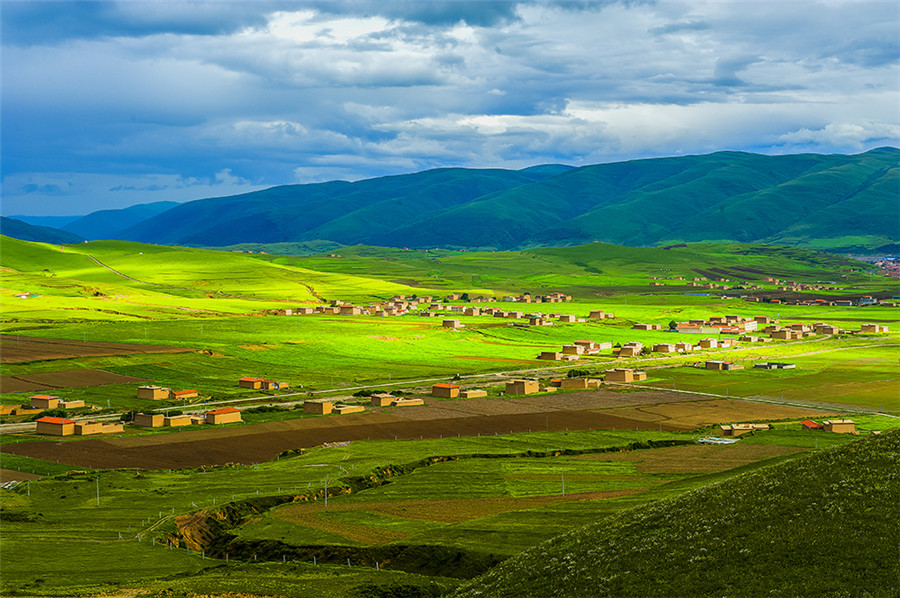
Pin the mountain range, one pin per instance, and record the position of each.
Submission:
(819, 201)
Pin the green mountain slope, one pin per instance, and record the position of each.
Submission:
(826, 524)
(106, 224)
(827, 201)
(30, 232)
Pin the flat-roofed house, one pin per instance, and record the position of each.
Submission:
(522, 387)
(44, 402)
(408, 402)
(225, 415)
(874, 329)
(566, 318)
(472, 393)
(631, 349)
(381, 399)
(445, 390)
(451, 324)
(596, 315)
(664, 348)
(149, 420)
(318, 407)
(88, 428)
(153, 393)
(350, 310)
(71, 404)
(574, 384)
(55, 426)
(620, 375)
(573, 350)
(472, 311)
(708, 343)
(348, 409)
(551, 355)
(684, 347)
(251, 382)
(176, 421)
(840, 426)
(183, 395)
(827, 329)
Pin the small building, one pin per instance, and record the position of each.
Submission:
(664, 348)
(738, 429)
(153, 393)
(55, 426)
(596, 315)
(708, 343)
(381, 399)
(445, 390)
(250, 382)
(647, 327)
(318, 407)
(631, 349)
(522, 387)
(183, 395)
(809, 424)
(472, 311)
(176, 421)
(827, 329)
(574, 384)
(566, 318)
(8, 409)
(683, 347)
(225, 415)
(573, 350)
(451, 324)
(551, 355)
(88, 428)
(472, 393)
(44, 402)
(840, 426)
(350, 310)
(874, 329)
(409, 402)
(148, 420)
(348, 409)
(624, 375)
(71, 404)
(774, 365)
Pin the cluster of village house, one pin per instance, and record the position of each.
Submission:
(839, 426)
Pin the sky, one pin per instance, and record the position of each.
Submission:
(109, 104)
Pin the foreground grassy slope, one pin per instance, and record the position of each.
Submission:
(823, 525)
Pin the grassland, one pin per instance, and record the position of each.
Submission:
(468, 507)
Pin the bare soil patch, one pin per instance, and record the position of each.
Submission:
(254, 347)
(20, 349)
(9, 475)
(262, 442)
(695, 458)
(64, 379)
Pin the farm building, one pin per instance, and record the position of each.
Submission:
(472, 393)
(55, 426)
(573, 350)
(590, 347)
(717, 364)
(71, 404)
(147, 420)
(407, 402)
(153, 393)
(537, 321)
(647, 327)
(840, 426)
(551, 355)
(445, 390)
(596, 315)
(631, 349)
(772, 365)
(874, 329)
(381, 399)
(348, 409)
(809, 424)
(624, 375)
(522, 387)
(318, 408)
(88, 428)
(451, 324)
(183, 395)
(683, 347)
(250, 382)
(786, 334)
(515, 315)
(574, 384)
(225, 415)
(350, 310)
(8, 409)
(827, 329)
(664, 348)
(708, 343)
(738, 429)
(272, 385)
(175, 421)
(566, 318)
(44, 402)
(472, 311)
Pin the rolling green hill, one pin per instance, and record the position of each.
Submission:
(823, 525)
(826, 201)
(30, 232)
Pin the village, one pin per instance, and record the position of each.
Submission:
(726, 332)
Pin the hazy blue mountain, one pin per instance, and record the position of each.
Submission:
(827, 201)
(107, 224)
(51, 221)
(41, 234)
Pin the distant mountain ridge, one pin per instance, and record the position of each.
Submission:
(107, 224)
(821, 201)
(40, 234)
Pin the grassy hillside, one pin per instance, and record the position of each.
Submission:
(823, 525)
(835, 201)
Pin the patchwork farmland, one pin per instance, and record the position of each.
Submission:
(420, 490)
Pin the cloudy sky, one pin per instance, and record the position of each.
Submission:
(108, 104)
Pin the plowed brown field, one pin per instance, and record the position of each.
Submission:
(19, 349)
(66, 379)
(262, 442)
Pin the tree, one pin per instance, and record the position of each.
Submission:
(673, 325)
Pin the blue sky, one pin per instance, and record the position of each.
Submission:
(109, 104)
